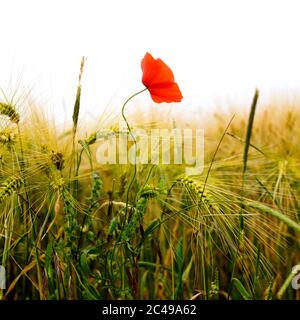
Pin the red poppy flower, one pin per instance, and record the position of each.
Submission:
(159, 80)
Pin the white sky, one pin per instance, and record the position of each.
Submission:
(218, 50)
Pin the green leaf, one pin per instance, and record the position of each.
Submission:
(152, 226)
(86, 255)
(241, 289)
(48, 255)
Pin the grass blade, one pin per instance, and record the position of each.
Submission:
(241, 289)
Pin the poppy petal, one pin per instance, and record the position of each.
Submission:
(149, 68)
(165, 92)
(155, 71)
(159, 80)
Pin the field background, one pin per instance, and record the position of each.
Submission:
(71, 230)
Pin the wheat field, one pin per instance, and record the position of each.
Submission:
(71, 228)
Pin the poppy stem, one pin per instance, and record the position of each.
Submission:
(134, 141)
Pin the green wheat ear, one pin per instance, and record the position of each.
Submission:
(10, 186)
(7, 138)
(7, 109)
(78, 96)
(197, 189)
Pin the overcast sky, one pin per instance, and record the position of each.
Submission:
(218, 50)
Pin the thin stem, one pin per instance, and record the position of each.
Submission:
(134, 141)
